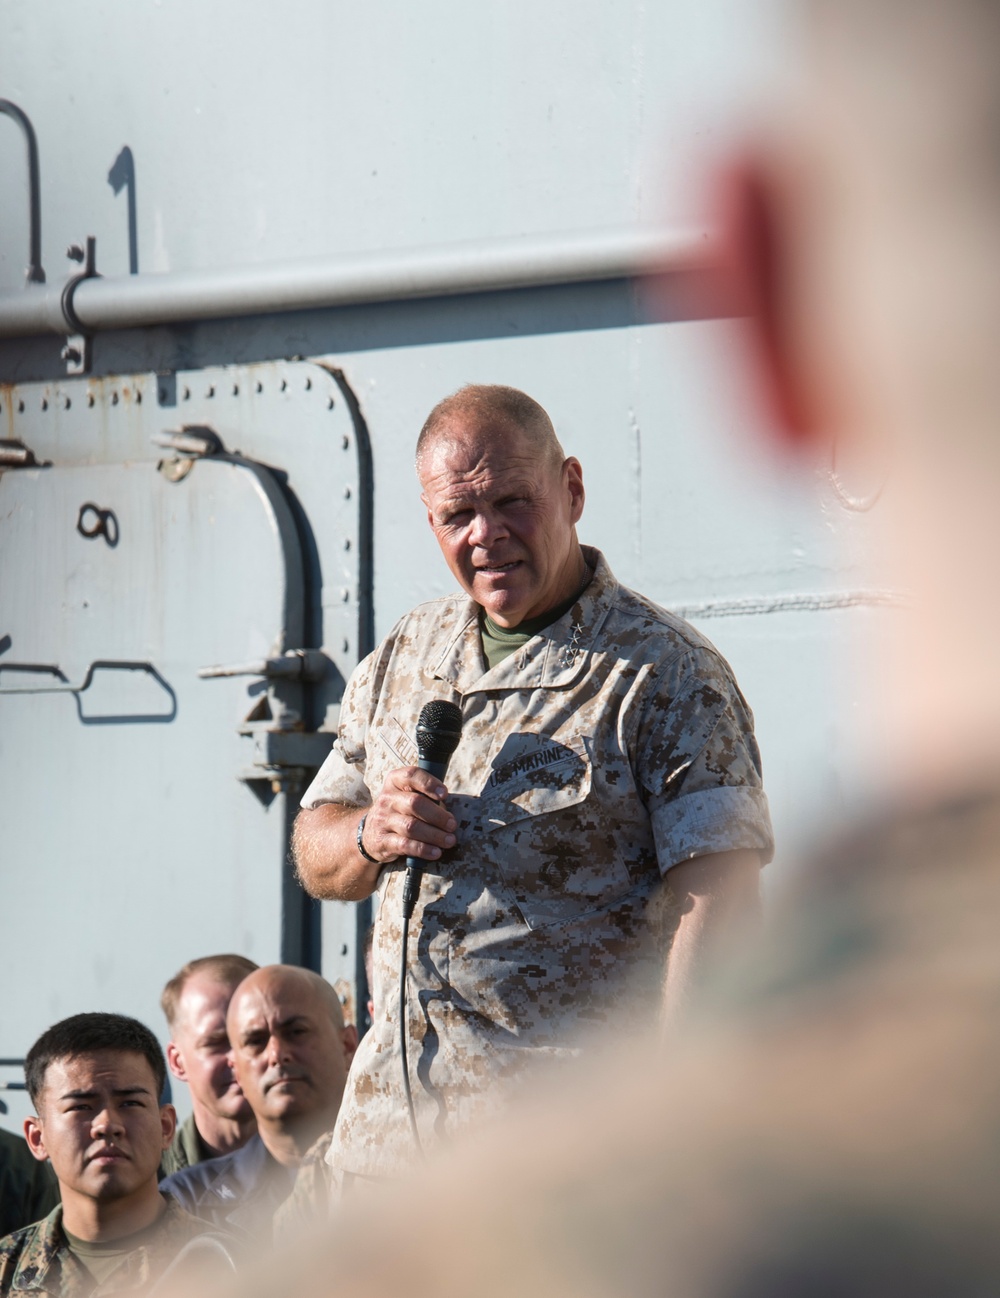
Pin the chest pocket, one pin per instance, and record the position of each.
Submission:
(550, 834)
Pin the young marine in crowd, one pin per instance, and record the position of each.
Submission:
(95, 1081)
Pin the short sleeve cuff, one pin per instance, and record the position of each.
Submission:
(336, 781)
(725, 819)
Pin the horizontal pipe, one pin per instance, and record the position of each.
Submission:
(131, 301)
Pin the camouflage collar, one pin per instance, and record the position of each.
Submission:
(44, 1249)
(46, 1265)
(554, 659)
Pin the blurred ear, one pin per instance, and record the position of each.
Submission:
(756, 220)
(350, 1040)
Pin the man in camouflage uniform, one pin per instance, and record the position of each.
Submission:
(195, 1002)
(605, 747)
(95, 1080)
(291, 1052)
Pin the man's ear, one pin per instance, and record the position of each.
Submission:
(574, 480)
(350, 1040)
(35, 1137)
(754, 215)
(175, 1061)
(168, 1123)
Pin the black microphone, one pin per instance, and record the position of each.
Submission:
(439, 729)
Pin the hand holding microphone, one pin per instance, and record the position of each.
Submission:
(439, 729)
(407, 818)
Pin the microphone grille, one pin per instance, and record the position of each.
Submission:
(439, 729)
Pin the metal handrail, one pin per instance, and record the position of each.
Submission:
(35, 273)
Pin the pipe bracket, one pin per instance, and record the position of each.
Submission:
(78, 349)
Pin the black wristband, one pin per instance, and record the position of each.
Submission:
(361, 847)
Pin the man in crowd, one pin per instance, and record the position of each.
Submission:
(291, 1052)
(195, 1002)
(95, 1081)
(605, 747)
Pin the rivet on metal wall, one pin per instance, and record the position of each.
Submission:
(347, 493)
(114, 398)
(347, 542)
(211, 390)
(346, 442)
(236, 389)
(186, 394)
(329, 404)
(284, 384)
(309, 383)
(90, 398)
(138, 397)
(345, 594)
(347, 645)
(20, 407)
(259, 386)
(45, 404)
(66, 403)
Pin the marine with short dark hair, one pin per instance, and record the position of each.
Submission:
(95, 1081)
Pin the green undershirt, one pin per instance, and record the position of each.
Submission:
(499, 642)
(101, 1258)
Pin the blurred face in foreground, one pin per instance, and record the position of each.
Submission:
(868, 228)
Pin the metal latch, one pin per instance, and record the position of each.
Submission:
(307, 665)
(283, 753)
(15, 455)
(192, 442)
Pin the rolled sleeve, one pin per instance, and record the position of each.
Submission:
(712, 820)
(341, 778)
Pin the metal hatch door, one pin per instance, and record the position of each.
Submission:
(128, 834)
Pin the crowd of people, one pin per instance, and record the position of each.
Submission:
(105, 1178)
